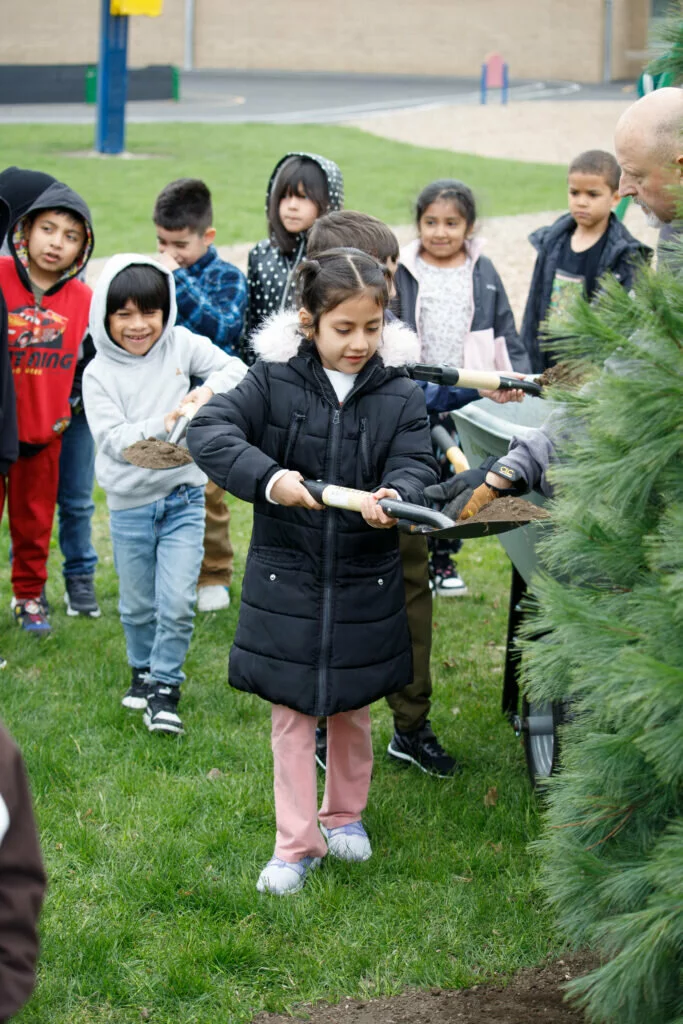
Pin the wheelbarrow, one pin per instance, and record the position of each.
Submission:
(485, 429)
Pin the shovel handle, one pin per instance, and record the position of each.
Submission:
(180, 426)
(455, 455)
(480, 380)
(426, 519)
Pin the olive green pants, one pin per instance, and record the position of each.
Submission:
(410, 706)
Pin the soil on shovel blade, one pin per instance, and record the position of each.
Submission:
(508, 510)
(533, 996)
(156, 454)
(566, 375)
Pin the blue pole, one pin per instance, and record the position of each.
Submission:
(111, 82)
(504, 92)
(483, 83)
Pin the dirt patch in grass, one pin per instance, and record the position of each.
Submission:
(533, 995)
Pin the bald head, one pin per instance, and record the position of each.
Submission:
(649, 146)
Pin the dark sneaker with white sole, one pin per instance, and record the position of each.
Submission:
(80, 597)
(321, 748)
(140, 690)
(424, 750)
(447, 581)
(161, 713)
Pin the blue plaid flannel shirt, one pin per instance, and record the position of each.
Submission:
(212, 300)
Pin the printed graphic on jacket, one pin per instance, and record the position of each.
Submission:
(32, 325)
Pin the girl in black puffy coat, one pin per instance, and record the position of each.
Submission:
(322, 627)
(302, 187)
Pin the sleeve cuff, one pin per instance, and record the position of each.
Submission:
(273, 480)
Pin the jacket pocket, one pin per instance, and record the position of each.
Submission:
(364, 445)
(296, 423)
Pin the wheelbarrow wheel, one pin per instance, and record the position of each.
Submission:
(539, 732)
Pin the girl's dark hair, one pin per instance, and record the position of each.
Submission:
(451, 190)
(337, 275)
(297, 174)
(145, 286)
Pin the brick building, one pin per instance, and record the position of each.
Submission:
(561, 39)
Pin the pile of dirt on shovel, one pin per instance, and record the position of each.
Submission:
(155, 454)
(508, 510)
(565, 375)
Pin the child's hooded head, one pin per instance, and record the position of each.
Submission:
(302, 188)
(137, 308)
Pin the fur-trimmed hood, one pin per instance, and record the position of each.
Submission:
(280, 338)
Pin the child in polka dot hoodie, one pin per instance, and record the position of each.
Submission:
(302, 187)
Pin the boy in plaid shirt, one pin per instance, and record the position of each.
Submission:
(211, 295)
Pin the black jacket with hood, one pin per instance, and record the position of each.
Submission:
(621, 254)
(322, 624)
(270, 272)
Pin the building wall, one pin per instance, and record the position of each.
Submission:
(538, 38)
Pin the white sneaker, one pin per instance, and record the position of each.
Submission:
(283, 878)
(213, 598)
(449, 583)
(348, 842)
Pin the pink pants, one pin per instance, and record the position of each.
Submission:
(347, 780)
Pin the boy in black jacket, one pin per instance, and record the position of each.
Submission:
(581, 246)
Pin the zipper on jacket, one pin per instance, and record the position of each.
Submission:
(298, 419)
(365, 450)
(328, 571)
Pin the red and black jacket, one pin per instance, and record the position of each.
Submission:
(43, 337)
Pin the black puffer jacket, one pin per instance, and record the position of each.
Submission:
(322, 625)
(270, 272)
(621, 254)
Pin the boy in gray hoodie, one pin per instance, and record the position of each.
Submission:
(135, 388)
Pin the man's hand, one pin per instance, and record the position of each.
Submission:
(371, 511)
(290, 491)
(456, 494)
(167, 261)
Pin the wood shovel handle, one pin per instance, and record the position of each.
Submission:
(350, 499)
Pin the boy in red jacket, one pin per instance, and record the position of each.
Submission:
(50, 241)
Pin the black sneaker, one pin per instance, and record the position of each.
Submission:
(161, 713)
(80, 596)
(321, 748)
(139, 690)
(423, 749)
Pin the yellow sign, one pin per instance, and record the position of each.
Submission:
(152, 8)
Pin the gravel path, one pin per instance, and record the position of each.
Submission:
(545, 131)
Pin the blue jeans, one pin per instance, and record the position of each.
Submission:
(74, 498)
(158, 551)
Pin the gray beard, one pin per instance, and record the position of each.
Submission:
(651, 218)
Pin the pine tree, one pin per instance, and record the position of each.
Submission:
(610, 600)
(670, 39)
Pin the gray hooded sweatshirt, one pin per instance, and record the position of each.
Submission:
(126, 397)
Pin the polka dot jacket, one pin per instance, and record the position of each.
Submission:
(270, 273)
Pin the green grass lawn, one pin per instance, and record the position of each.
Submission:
(152, 903)
(381, 177)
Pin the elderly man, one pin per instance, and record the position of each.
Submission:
(649, 146)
